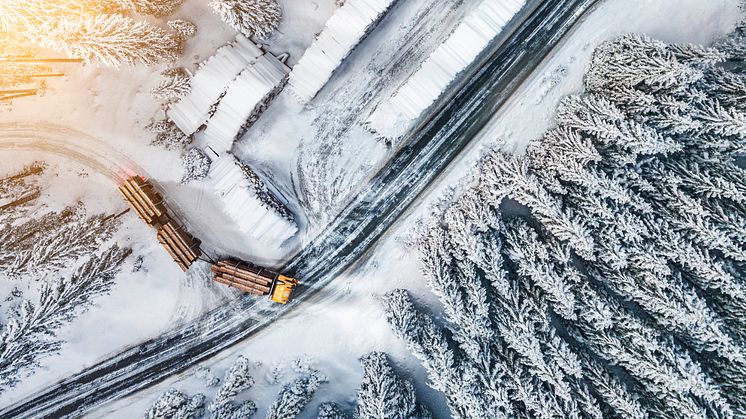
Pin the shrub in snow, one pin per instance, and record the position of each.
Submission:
(249, 17)
(616, 287)
(382, 394)
(174, 404)
(295, 396)
(29, 333)
(167, 135)
(206, 374)
(196, 165)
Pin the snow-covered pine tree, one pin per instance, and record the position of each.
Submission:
(29, 333)
(249, 17)
(157, 8)
(112, 40)
(600, 324)
(183, 29)
(196, 165)
(231, 410)
(294, 396)
(237, 380)
(50, 246)
(383, 394)
(176, 83)
(464, 391)
(91, 30)
(174, 404)
(167, 135)
(330, 410)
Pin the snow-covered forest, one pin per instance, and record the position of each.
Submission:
(39, 245)
(601, 274)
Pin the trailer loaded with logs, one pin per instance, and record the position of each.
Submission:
(150, 207)
(184, 249)
(254, 279)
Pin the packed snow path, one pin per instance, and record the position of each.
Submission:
(391, 192)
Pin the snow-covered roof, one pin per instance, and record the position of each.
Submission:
(394, 117)
(242, 97)
(210, 82)
(343, 31)
(246, 199)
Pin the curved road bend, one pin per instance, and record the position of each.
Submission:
(512, 57)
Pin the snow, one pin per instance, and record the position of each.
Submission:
(243, 95)
(254, 215)
(395, 117)
(211, 81)
(344, 30)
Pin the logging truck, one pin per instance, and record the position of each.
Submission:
(254, 279)
(185, 249)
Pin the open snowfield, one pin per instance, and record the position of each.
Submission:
(346, 320)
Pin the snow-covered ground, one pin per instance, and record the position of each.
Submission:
(142, 303)
(346, 320)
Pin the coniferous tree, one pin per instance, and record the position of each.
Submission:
(29, 333)
(92, 30)
(112, 40)
(330, 410)
(383, 395)
(167, 135)
(237, 380)
(176, 84)
(174, 404)
(294, 396)
(196, 165)
(249, 17)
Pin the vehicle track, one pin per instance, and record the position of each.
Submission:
(429, 150)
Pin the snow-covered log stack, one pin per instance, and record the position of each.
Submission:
(344, 30)
(211, 82)
(245, 97)
(249, 202)
(393, 117)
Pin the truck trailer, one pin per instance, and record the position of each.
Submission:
(185, 249)
(254, 279)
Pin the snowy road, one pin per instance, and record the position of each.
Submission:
(376, 209)
(71, 143)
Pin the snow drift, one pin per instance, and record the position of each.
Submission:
(395, 116)
(249, 202)
(344, 30)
